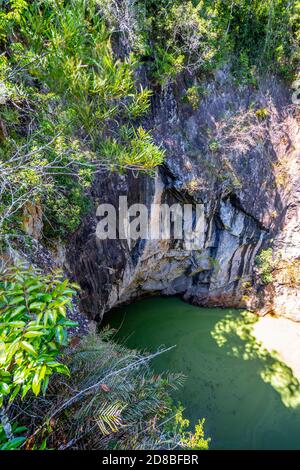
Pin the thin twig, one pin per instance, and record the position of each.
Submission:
(82, 393)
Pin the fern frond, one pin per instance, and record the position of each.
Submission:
(109, 417)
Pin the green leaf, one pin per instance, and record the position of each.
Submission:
(28, 347)
(4, 373)
(25, 389)
(36, 384)
(42, 372)
(43, 445)
(16, 300)
(68, 323)
(52, 346)
(15, 443)
(20, 429)
(2, 352)
(59, 334)
(53, 364)
(33, 334)
(19, 309)
(45, 385)
(17, 324)
(37, 306)
(62, 369)
(4, 388)
(34, 327)
(14, 393)
(62, 310)
(44, 297)
(70, 292)
(15, 313)
(34, 287)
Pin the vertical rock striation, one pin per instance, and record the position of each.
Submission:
(244, 172)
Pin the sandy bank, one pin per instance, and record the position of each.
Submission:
(281, 335)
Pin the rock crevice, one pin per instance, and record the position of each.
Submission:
(244, 172)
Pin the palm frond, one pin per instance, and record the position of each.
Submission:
(109, 417)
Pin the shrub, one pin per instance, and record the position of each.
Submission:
(193, 96)
(202, 34)
(113, 400)
(16, 441)
(183, 35)
(64, 94)
(33, 328)
(190, 440)
(262, 113)
(265, 265)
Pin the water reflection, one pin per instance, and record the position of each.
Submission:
(235, 335)
(249, 398)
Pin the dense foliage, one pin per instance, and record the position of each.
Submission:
(200, 35)
(68, 108)
(69, 101)
(110, 397)
(71, 105)
(33, 328)
(265, 265)
(112, 400)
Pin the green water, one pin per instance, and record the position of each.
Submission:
(249, 398)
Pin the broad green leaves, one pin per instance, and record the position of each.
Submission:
(14, 444)
(17, 440)
(33, 328)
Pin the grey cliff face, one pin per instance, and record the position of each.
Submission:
(243, 170)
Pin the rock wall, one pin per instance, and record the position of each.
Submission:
(244, 171)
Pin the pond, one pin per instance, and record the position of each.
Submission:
(248, 397)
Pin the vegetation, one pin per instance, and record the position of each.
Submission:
(110, 397)
(265, 265)
(32, 330)
(63, 95)
(262, 113)
(33, 327)
(111, 400)
(193, 96)
(200, 35)
(71, 105)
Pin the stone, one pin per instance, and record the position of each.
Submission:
(245, 208)
(33, 220)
